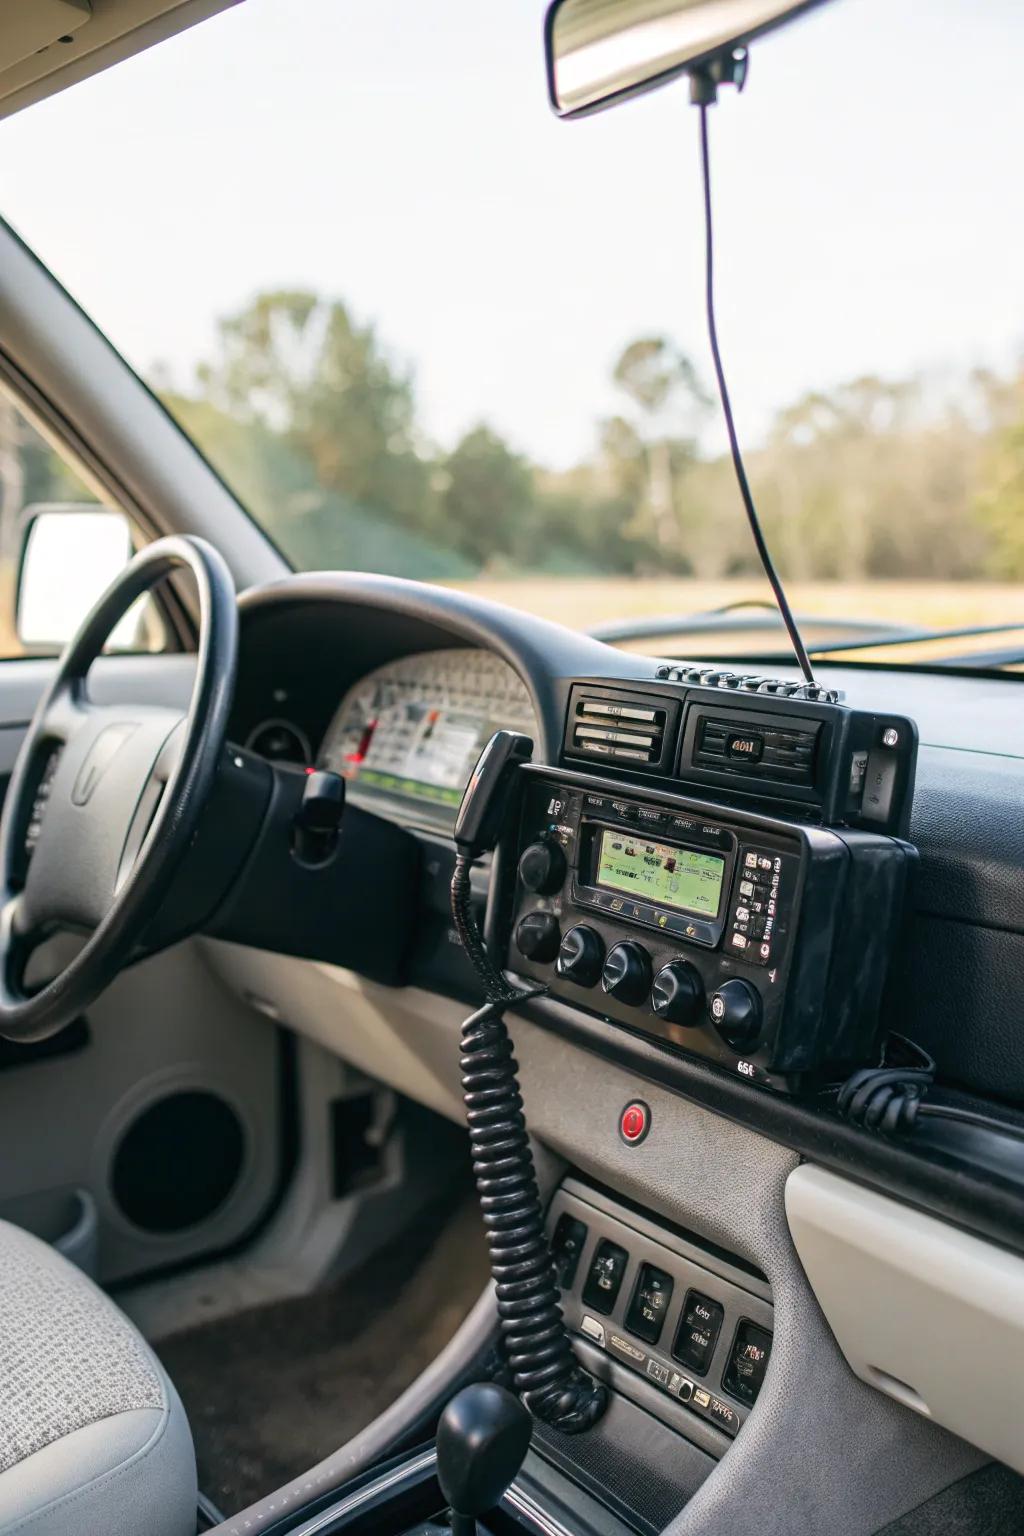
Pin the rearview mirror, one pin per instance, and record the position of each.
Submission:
(600, 53)
(70, 556)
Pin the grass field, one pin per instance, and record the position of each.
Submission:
(587, 601)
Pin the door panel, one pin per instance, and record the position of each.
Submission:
(165, 1105)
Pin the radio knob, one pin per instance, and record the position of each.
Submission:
(581, 956)
(735, 1011)
(627, 973)
(538, 936)
(542, 867)
(679, 994)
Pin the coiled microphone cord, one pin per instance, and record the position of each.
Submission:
(544, 1369)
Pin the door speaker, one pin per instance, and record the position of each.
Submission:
(178, 1161)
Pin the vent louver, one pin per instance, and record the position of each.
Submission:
(632, 730)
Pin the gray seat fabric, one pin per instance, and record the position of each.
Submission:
(93, 1437)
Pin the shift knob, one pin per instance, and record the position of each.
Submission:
(482, 1439)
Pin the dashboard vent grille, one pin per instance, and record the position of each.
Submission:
(635, 731)
(785, 752)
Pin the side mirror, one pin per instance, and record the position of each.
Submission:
(600, 53)
(70, 554)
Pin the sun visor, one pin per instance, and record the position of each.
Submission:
(47, 45)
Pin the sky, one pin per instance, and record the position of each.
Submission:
(400, 154)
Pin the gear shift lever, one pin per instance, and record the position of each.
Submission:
(482, 1439)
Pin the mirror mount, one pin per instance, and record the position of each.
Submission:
(730, 67)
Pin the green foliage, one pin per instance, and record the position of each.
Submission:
(648, 459)
(315, 528)
(487, 498)
(313, 422)
(999, 502)
(299, 367)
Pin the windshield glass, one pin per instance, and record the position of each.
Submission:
(422, 327)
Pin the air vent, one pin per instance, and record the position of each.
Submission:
(782, 752)
(752, 744)
(632, 730)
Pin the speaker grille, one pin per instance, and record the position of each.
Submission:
(178, 1161)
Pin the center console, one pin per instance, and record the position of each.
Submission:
(740, 905)
(653, 1308)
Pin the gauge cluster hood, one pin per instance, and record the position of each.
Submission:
(47, 45)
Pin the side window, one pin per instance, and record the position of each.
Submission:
(60, 547)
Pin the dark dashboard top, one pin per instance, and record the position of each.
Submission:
(958, 986)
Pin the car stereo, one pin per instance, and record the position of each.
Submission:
(751, 937)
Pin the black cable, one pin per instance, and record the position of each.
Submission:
(544, 1369)
(890, 1098)
(496, 988)
(973, 1117)
(730, 426)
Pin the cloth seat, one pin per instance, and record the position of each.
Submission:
(93, 1438)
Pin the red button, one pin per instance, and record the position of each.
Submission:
(634, 1122)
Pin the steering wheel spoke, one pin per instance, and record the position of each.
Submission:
(65, 711)
(18, 940)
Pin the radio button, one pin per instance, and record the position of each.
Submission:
(651, 818)
(692, 929)
(542, 867)
(678, 995)
(581, 956)
(538, 936)
(627, 973)
(735, 1011)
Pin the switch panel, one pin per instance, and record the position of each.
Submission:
(604, 1277)
(649, 1306)
(567, 1248)
(697, 1334)
(684, 1331)
(748, 1361)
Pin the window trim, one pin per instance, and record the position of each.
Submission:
(176, 608)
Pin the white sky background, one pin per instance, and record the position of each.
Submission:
(400, 154)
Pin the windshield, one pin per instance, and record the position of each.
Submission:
(422, 327)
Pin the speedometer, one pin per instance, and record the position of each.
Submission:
(413, 730)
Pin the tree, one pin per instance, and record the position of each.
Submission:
(1000, 500)
(303, 369)
(487, 498)
(653, 451)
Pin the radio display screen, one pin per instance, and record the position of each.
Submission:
(682, 878)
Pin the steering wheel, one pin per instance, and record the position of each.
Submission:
(105, 799)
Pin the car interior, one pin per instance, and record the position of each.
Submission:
(460, 1072)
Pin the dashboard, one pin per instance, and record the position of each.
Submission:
(408, 734)
(407, 683)
(697, 954)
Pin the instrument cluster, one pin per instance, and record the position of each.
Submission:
(410, 732)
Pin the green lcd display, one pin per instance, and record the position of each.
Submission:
(682, 878)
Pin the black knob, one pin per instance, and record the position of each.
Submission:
(542, 867)
(735, 1011)
(316, 824)
(538, 936)
(482, 1438)
(678, 995)
(627, 972)
(581, 956)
